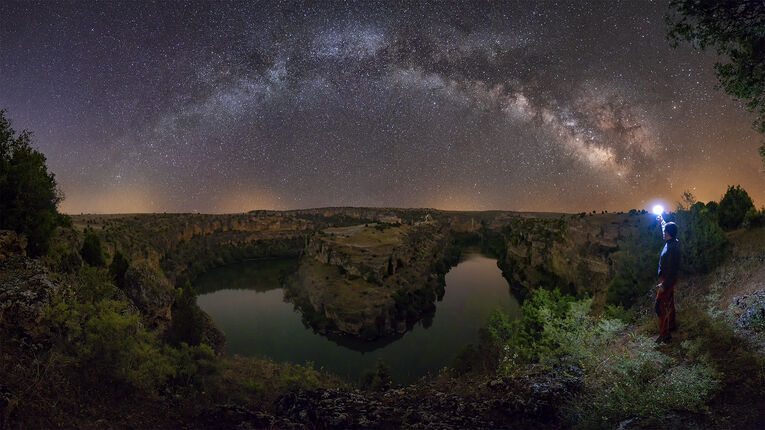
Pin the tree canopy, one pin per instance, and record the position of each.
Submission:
(733, 207)
(28, 194)
(736, 30)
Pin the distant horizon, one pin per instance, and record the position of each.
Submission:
(218, 108)
(597, 212)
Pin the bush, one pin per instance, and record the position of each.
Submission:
(188, 322)
(632, 381)
(636, 264)
(62, 257)
(377, 379)
(118, 268)
(642, 384)
(105, 343)
(733, 207)
(754, 218)
(522, 340)
(28, 194)
(91, 249)
(619, 312)
(95, 285)
(703, 242)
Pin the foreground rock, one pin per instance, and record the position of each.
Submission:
(531, 401)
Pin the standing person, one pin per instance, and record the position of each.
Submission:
(669, 267)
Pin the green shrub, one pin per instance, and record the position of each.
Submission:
(105, 343)
(636, 264)
(523, 340)
(733, 207)
(118, 268)
(94, 284)
(620, 381)
(378, 378)
(295, 377)
(91, 249)
(194, 365)
(703, 242)
(619, 312)
(62, 257)
(642, 384)
(754, 218)
(188, 322)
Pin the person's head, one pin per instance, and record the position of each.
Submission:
(670, 231)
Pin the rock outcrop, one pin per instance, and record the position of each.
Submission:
(572, 253)
(150, 292)
(372, 280)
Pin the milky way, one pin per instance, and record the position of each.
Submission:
(223, 107)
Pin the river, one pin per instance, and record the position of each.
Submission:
(247, 303)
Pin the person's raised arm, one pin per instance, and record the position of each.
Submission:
(663, 223)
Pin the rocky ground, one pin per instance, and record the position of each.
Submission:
(530, 401)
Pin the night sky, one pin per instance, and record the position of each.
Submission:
(227, 107)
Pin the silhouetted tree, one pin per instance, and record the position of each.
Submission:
(91, 249)
(118, 268)
(733, 207)
(28, 193)
(377, 379)
(736, 30)
(188, 321)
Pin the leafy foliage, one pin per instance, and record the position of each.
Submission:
(636, 264)
(640, 382)
(28, 194)
(703, 243)
(754, 218)
(736, 30)
(105, 342)
(733, 207)
(91, 249)
(377, 379)
(632, 381)
(118, 267)
(187, 325)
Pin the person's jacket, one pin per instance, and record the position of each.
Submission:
(669, 262)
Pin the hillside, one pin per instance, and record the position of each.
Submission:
(77, 340)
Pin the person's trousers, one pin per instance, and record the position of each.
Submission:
(665, 307)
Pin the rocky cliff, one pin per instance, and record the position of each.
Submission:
(371, 280)
(26, 289)
(572, 253)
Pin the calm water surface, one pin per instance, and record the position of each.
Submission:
(247, 302)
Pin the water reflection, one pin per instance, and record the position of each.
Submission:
(247, 302)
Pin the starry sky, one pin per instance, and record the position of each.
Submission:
(231, 106)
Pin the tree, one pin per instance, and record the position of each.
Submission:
(736, 30)
(91, 249)
(188, 323)
(733, 207)
(118, 268)
(28, 194)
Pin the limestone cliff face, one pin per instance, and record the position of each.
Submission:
(347, 285)
(571, 253)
